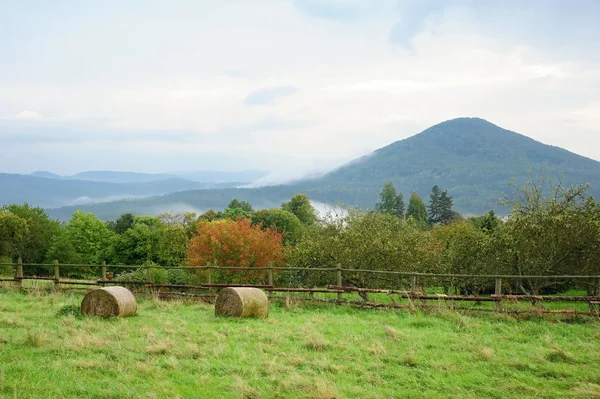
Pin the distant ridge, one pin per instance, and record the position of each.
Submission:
(121, 177)
(470, 157)
(199, 176)
(47, 175)
(57, 192)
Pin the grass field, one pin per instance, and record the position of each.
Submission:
(180, 350)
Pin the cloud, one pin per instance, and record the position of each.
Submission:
(347, 11)
(46, 132)
(336, 80)
(330, 212)
(28, 115)
(335, 10)
(268, 95)
(413, 16)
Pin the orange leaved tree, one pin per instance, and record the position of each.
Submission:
(238, 243)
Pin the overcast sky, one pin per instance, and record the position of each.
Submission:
(291, 86)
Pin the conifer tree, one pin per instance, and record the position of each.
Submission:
(440, 206)
(434, 206)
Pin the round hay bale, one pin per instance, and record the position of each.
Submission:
(242, 302)
(109, 301)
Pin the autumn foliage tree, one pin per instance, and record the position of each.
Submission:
(228, 242)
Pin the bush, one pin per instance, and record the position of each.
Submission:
(6, 270)
(466, 250)
(184, 277)
(158, 275)
(365, 241)
(235, 243)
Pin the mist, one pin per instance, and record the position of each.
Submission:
(85, 200)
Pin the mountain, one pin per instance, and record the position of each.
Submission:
(120, 177)
(46, 174)
(199, 176)
(220, 176)
(470, 157)
(52, 192)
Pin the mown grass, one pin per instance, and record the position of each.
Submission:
(180, 350)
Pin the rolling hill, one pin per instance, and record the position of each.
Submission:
(470, 157)
(199, 176)
(56, 192)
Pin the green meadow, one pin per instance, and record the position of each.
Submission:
(175, 349)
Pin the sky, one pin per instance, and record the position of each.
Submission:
(287, 86)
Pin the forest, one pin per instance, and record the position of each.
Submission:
(550, 230)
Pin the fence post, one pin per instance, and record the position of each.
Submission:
(413, 284)
(339, 281)
(270, 279)
(103, 271)
(20, 271)
(498, 292)
(209, 275)
(149, 274)
(598, 293)
(56, 273)
(270, 276)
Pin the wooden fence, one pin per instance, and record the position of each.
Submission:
(414, 295)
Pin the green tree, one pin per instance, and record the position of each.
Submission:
(122, 224)
(391, 202)
(243, 205)
(210, 215)
(400, 208)
(63, 250)
(136, 246)
(235, 213)
(188, 221)
(281, 221)
(440, 207)
(488, 223)
(551, 230)
(373, 241)
(447, 215)
(140, 243)
(172, 245)
(90, 237)
(435, 212)
(465, 250)
(300, 206)
(417, 210)
(13, 234)
(40, 231)
(151, 221)
(387, 198)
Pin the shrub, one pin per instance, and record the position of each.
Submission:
(158, 275)
(184, 277)
(365, 241)
(238, 243)
(6, 270)
(466, 249)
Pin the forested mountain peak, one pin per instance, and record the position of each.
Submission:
(471, 157)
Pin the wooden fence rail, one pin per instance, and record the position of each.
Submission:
(339, 289)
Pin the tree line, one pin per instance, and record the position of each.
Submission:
(438, 212)
(550, 230)
(28, 233)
